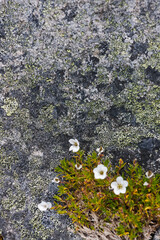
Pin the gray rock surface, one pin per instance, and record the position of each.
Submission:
(85, 69)
(157, 235)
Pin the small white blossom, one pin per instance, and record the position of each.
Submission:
(145, 183)
(56, 180)
(119, 186)
(100, 172)
(78, 166)
(149, 174)
(75, 145)
(100, 150)
(43, 206)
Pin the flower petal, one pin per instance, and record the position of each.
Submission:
(42, 206)
(72, 141)
(125, 183)
(96, 175)
(75, 148)
(97, 171)
(49, 205)
(71, 148)
(103, 176)
(119, 179)
(76, 141)
(149, 174)
(56, 180)
(114, 184)
(123, 190)
(145, 184)
(78, 167)
(101, 167)
(116, 191)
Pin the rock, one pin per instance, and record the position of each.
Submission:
(72, 69)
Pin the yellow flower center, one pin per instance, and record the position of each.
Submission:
(149, 173)
(119, 186)
(101, 172)
(75, 144)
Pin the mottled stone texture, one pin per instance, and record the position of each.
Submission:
(88, 69)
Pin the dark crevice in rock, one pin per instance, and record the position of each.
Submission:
(84, 80)
(121, 116)
(34, 18)
(137, 49)
(153, 75)
(149, 144)
(70, 12)
(126, 154)
(103, 48)
(2, 30)
(116, 87)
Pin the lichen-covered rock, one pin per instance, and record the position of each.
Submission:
(85, 69)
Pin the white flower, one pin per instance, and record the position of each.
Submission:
(75, 145)
(100, 172)
(44, 205)
(119, 186)
(78, 166)
(100, 150)
(56, 180)
(149, 174)
(145, 183)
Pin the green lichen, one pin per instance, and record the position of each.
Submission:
(118, 49)
(129, 136)
(7, 160)
(14, 200)
(46, 118)
(103, 76)
(153, 59)
(10, 106)
(37, 183)
(39, 231)
(144, 102)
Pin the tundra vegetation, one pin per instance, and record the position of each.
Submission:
(121, 202)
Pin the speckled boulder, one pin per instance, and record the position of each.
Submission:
(85, 69)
